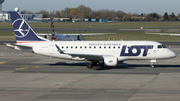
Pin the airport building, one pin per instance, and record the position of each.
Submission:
(94, 20)
(5, 16)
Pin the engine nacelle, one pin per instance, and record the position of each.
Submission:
(47, 37)
(110, 61)
(80, 37)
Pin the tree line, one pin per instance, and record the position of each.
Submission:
(82, 12)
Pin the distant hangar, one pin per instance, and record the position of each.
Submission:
(5, 16)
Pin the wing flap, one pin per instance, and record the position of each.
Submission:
(88, 57)
(88, 34)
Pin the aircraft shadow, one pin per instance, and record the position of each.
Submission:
(67, 64)
(134, 66)
(120, 66)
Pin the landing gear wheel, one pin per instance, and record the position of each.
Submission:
(152, 65)
(89, 65)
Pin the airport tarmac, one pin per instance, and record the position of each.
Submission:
(30, 77)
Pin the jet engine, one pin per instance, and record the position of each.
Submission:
(110, 61)
(47, 37)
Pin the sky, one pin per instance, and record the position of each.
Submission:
(127, 6)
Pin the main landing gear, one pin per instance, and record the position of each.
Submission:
(91, 64)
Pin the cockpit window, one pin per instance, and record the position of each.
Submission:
(162, 46)
(159, 46)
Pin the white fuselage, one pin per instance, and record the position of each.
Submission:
(123, 50)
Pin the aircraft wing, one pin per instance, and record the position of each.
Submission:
(88, 57)
(174, 34)
(165, 34)
(91, 57)
(84, 34)
(42, 34)
(88, 34)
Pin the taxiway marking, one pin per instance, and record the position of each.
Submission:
(22, 68)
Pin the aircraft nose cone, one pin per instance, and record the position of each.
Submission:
(172, 54)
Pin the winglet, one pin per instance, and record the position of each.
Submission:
(23, 32)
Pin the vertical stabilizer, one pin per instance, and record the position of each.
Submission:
(23, 32)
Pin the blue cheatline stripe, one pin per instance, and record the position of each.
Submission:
(59, 50)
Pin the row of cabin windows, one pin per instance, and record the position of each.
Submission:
(159, 46)
(90, 47)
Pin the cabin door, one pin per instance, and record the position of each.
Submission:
(51, 48)
(149, 49)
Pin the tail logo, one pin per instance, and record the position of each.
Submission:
(21, 28)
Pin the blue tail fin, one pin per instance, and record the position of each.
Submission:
(23, 32)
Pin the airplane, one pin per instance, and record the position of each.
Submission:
(108, 53)
(66, 37)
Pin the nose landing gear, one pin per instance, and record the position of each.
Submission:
(152, 63)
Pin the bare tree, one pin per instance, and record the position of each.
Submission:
(45, 14)
(86, 12)
(26, 12)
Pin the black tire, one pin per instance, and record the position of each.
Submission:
(94, 63)
(152, 66)
(89, 65)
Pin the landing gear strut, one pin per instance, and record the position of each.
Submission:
(91, 64)
(152, 63)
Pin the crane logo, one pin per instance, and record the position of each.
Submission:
(21, 28)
